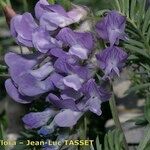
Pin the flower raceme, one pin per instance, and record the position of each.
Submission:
(61, 69)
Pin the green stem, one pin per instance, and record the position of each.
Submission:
(115, 116)
(25, 5)
(8, 2)
(145, 140)
(2, 3)
(51, 1)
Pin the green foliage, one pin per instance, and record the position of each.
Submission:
(113, 141)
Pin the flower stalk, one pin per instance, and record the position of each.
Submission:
(115, 116)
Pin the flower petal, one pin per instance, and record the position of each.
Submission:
(43, 42)
(38, 119)
(67, 118)
(73, 81)
(62, 103)
(14, 94)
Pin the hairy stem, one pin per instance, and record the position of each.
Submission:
(115, 116)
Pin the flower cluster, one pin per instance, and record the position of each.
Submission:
(111, 29)
(62, 67)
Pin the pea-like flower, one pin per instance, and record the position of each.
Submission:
(27, 80)
(63, 68)
(72, 104)
(111, 28)
(80, 43)
(22, 27)
(53, 16)
(111, 60)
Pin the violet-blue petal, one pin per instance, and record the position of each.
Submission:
(79, 51)
(18, 64)
(83, 72)
(111, 28)
(55, 8)
(62, 103)
(58, 52)
(94, 105)
(14, 94)
(22, 27)
(70, 37)
(39, 10)
(111, 60)
(52, 20)
(73, 81)
(30, 86)
(62, 66)
(42, 72)
(78, 13)
(38, 119)
(43, 42)
(67, 118)
(57, 80)
(70, 93)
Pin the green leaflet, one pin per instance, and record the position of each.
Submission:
(141, 12)
(138, 87)
(51, 1)
(98, 145)
(137, 50)
(135, 43)
(132, 9)
(146, 21)
(126, 2)
(114, 140)
(117, 5)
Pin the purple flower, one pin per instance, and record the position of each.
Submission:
(80, 43)
(94, 96)
(27, 80)
(67, 118)
(52, 16)
(38, 119)
(111, 60)
(64, 118)
(43, 42)
(73, 81)
(38, 9)
(111, 28)
(62, 103)
(71, 107)
(22, 27)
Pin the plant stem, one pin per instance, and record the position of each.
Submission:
(51, 1)
(2, 3)
(145, 140)
(115, 116)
